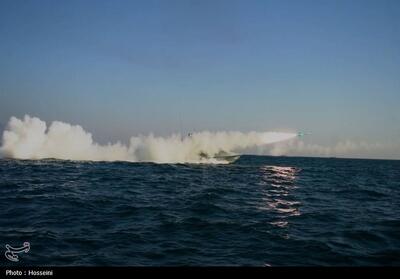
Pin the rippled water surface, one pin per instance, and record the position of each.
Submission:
(261, 211)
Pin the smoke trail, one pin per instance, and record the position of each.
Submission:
(346, 148)
(31, 139)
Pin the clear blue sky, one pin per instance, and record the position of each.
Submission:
(119, 68)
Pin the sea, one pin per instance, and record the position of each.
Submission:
(258, 211)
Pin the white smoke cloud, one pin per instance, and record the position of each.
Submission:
(31, 139)
(345, 148)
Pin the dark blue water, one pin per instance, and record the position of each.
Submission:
(259, 211)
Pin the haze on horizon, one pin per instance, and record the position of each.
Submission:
(124, 68)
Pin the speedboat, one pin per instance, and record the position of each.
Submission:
(222, 156)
